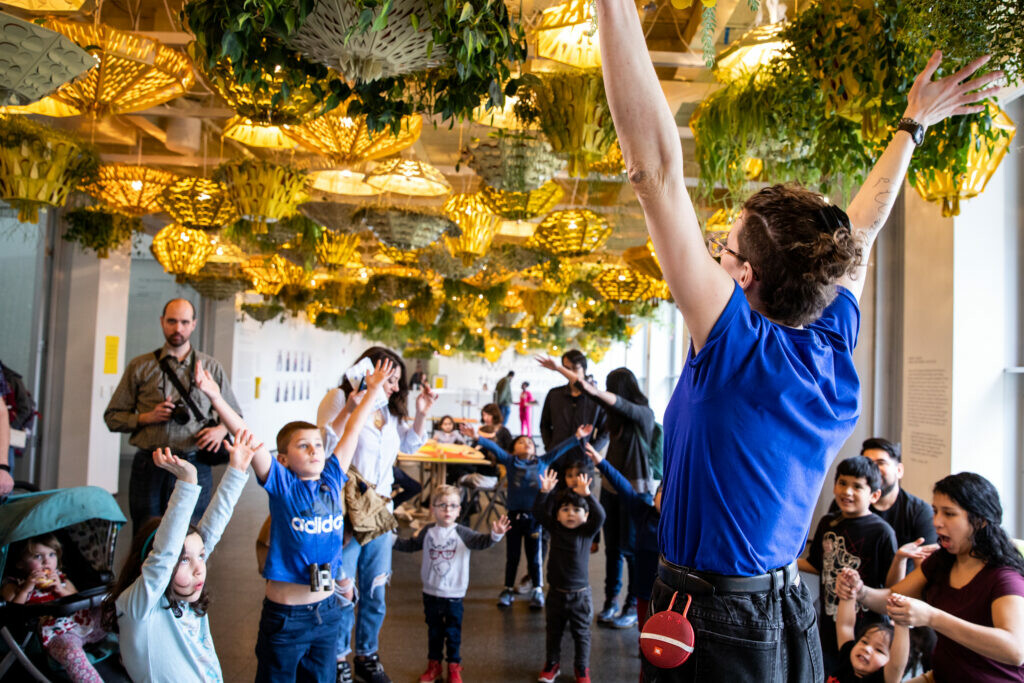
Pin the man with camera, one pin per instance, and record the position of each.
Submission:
(158, 403)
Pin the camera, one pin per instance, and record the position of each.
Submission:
(180, 414)
(320, 578)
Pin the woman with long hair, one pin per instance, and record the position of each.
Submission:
(970, 591)
(630, 427)
(384, 435)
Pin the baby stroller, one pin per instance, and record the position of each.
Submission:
(86, 520)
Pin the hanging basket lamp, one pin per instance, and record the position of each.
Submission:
(263, 192)
(564, 34)
(514, 162)
(132, 72)
(477, 224)
(401, 257)
(575, 117)
(336, 249)
(199, 203)
(332, 216)
(407, 229)
(47, 6)
(521, 206)
(131, 190)
(644, 260)
(347, 140)
(619, 284)
(408, 177)
(218, 281)
(350, 182)
(270, 275)
(405, 45)
(572, 232)
(983, 158)
(35, 61)
(754, 49)
(255, 134)
(181, 250)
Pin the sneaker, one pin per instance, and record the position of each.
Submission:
(608, 613)
(344, 672)
(549, 674)
(626, 618)
(583, 676)
(454, 672)
(368, 669)
(524, 586)
(506, 598)
(537, 598)
(433, 672)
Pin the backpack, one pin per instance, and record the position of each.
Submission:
(654, 450)
(20, 404)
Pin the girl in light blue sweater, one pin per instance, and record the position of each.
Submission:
(159, 602)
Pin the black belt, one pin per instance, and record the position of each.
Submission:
(705, 583)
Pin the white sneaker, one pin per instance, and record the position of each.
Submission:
(525, 585)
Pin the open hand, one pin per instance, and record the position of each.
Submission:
(382, 370)
(916, 550)
(583, 484)
(467, 430)
(583, 431)
(930, 101)
(182, 469)
(906, 611)
(242, 450)
(548, 481)
(210, 437)
(425, 401)
(205, 382)
(593, 454)
(548, 363)
(500, 527)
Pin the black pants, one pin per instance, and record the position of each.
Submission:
(525, 531)
(619, 543)
(575, 609)
(444, 623)
(150, 488)
(769, 637)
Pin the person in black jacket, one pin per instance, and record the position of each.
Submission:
(630, 426)
(567, 407)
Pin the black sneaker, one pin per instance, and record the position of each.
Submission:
(344, 672)
(369, 670)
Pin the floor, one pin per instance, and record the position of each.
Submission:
(497, 645)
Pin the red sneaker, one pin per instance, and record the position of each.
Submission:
(454, 672)
(549, 674)
(583, 676)
(433, 672)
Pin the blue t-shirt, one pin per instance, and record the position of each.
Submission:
(307, 520)
(756, 419)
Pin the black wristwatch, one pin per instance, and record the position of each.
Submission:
(6, 468)
(915, 129)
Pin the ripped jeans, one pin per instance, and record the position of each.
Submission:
(371, 565)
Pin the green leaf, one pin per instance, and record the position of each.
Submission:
(467, 12)
(415, 21)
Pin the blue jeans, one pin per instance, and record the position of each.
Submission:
(444, 624)
(150, 488)
(617, 548)
(505, 412)
(370, 564)
(296, 642)
(769, 637)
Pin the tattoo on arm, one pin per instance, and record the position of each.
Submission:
(884, 199)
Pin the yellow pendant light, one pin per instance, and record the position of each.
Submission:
(348, 140)
(619, 284)
(254, 134)
(572, 232)
(644, 260)
(564, 35)
(754, 49)
(336, 248)
(342, 181)
(181, 250)
(263, 192)
(478, 226)
(132, 190)
(199, 203)
(270, 275)
(401, 257)
(409, 177)
(520, 206)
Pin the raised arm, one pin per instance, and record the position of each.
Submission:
(846, 618)
(231, 419)
(649, 138)
(222, 505)
(928, 103)
(346, 447)
(499, 453)
(574, 441)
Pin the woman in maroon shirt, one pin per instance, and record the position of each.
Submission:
(971, 591)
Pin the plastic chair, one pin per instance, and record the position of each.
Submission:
(495, 497)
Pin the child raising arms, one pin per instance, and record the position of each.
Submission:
(879, 655)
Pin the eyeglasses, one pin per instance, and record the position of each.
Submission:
(447, 506)
(716, 246)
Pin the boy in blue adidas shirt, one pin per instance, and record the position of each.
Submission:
(299, 625)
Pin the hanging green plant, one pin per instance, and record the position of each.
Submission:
(99, 230)
(264, 311)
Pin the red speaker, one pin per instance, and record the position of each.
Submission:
(667, 638)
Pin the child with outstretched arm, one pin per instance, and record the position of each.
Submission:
(879, 654)
(300, 620)
(445, 572)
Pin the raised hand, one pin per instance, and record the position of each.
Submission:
(583, 484)
(906, 611)
(548, 481)
(593, 454)
(916, 550)
(467, 430)
(848, 584)
(425, 401)
(382, 370)
(929, 102)
(500, 527)
(182, 469)
(244, 448)
(548, 363)
(583, 431)
(205, 382)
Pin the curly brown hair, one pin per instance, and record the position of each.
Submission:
(797, 254)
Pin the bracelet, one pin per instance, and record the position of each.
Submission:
(5, 467)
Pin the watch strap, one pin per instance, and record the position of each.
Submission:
(915, 129)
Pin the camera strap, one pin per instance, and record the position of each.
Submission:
(182, 391)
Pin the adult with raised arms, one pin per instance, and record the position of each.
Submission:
(769, 391)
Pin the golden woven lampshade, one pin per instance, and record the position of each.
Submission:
(133, 73)
(348, 140)
(269, 275)
(494, 348)
(562, 35)
(622, 284)
(407, 229)
(48, 106)
(181, 250)
(575, 117)
(254, 134)
(263, 192)
(335, 248)
(34, 176)
(47, 6)
(342, 181)
(520, 206)
(982, 161)
(199, 203)
(478, 226)
(132, 190)
(572, 232)
(754, 49)
(612, 163)
(401, 257)
(409, 177)
(331, 215)
(643, 260)
(315, 308)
